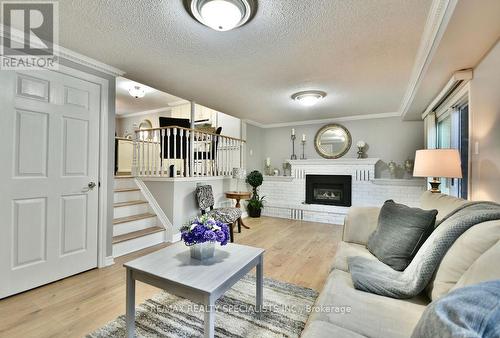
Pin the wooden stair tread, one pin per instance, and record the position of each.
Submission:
(136, 234)
(133, 218)
(127, 189)
(125, 204)
(123, 177)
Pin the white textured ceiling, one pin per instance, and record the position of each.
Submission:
(360, 52)
(472, 31)
(154, 99)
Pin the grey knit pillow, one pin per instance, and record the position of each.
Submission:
(400, 232)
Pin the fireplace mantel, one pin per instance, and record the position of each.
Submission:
(359, 169)
(335, 162)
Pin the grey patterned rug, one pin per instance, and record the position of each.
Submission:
(286, 309)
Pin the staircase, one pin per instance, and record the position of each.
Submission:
(135, 225)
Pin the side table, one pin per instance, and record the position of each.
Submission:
(239, 195)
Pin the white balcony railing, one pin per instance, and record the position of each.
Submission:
(182, 152)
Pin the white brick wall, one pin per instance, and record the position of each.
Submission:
(285, 196)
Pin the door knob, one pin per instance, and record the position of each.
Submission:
(91, 185)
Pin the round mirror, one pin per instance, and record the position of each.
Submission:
(145, 124)
(332, 141)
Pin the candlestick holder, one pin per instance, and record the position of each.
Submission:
(293, 157)
(303, 157)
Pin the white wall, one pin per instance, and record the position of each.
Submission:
(178, 201)
(254, 152)
(389, 139)
(485, 127)
(231, 126)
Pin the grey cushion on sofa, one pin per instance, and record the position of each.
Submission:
(400, 232)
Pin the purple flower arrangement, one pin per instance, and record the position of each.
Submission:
(205, 229)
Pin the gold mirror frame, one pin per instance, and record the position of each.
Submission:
(317, 139)
(145, 124)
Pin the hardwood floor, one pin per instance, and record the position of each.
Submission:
(296, 252)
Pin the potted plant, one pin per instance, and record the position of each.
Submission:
(255, 204)
(202, 233)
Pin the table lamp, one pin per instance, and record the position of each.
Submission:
(239, 174)
(437, 163)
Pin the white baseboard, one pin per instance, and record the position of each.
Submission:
(176, 237)
(108, 261)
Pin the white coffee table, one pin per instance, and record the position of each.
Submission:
(202, 282)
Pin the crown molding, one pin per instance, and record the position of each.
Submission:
(253, 123)
(89, 62)
(323, 121)
(145, 112)
(437, 22)
(64, 53)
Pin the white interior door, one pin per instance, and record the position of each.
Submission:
(50, 153)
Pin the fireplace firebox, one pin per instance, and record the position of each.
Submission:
(329, 190)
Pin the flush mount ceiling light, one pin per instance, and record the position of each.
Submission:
(222, 15)
(137, 92)
(309, 98)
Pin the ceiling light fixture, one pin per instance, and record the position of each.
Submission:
(308, 98)
(137, 92)
(222, 15)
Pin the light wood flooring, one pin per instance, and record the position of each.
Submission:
(296, 252)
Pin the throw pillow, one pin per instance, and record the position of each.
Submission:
(400, 232)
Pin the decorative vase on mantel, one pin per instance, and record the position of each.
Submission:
(361, 149)
(409, 167)
(392, 169)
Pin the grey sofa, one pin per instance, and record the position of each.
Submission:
(342, 311)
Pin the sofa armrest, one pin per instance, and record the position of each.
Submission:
(359, 223)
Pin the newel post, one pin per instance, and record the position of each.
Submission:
(192, 139)
(135, 148)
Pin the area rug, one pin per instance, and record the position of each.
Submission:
(286, 309)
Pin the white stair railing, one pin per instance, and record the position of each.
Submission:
(182, 152)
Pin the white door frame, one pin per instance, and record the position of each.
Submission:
(102, 259)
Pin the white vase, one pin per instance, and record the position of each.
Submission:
(202, 251)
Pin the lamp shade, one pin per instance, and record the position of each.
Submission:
(239, 173)
(437, 163)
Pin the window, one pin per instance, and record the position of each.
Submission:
(453, 132)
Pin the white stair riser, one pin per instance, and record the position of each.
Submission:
(124, 183)
(127, 196)
(122, 248)
(125, 228)
(131, 210)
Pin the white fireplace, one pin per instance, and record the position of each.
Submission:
(286, 196)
